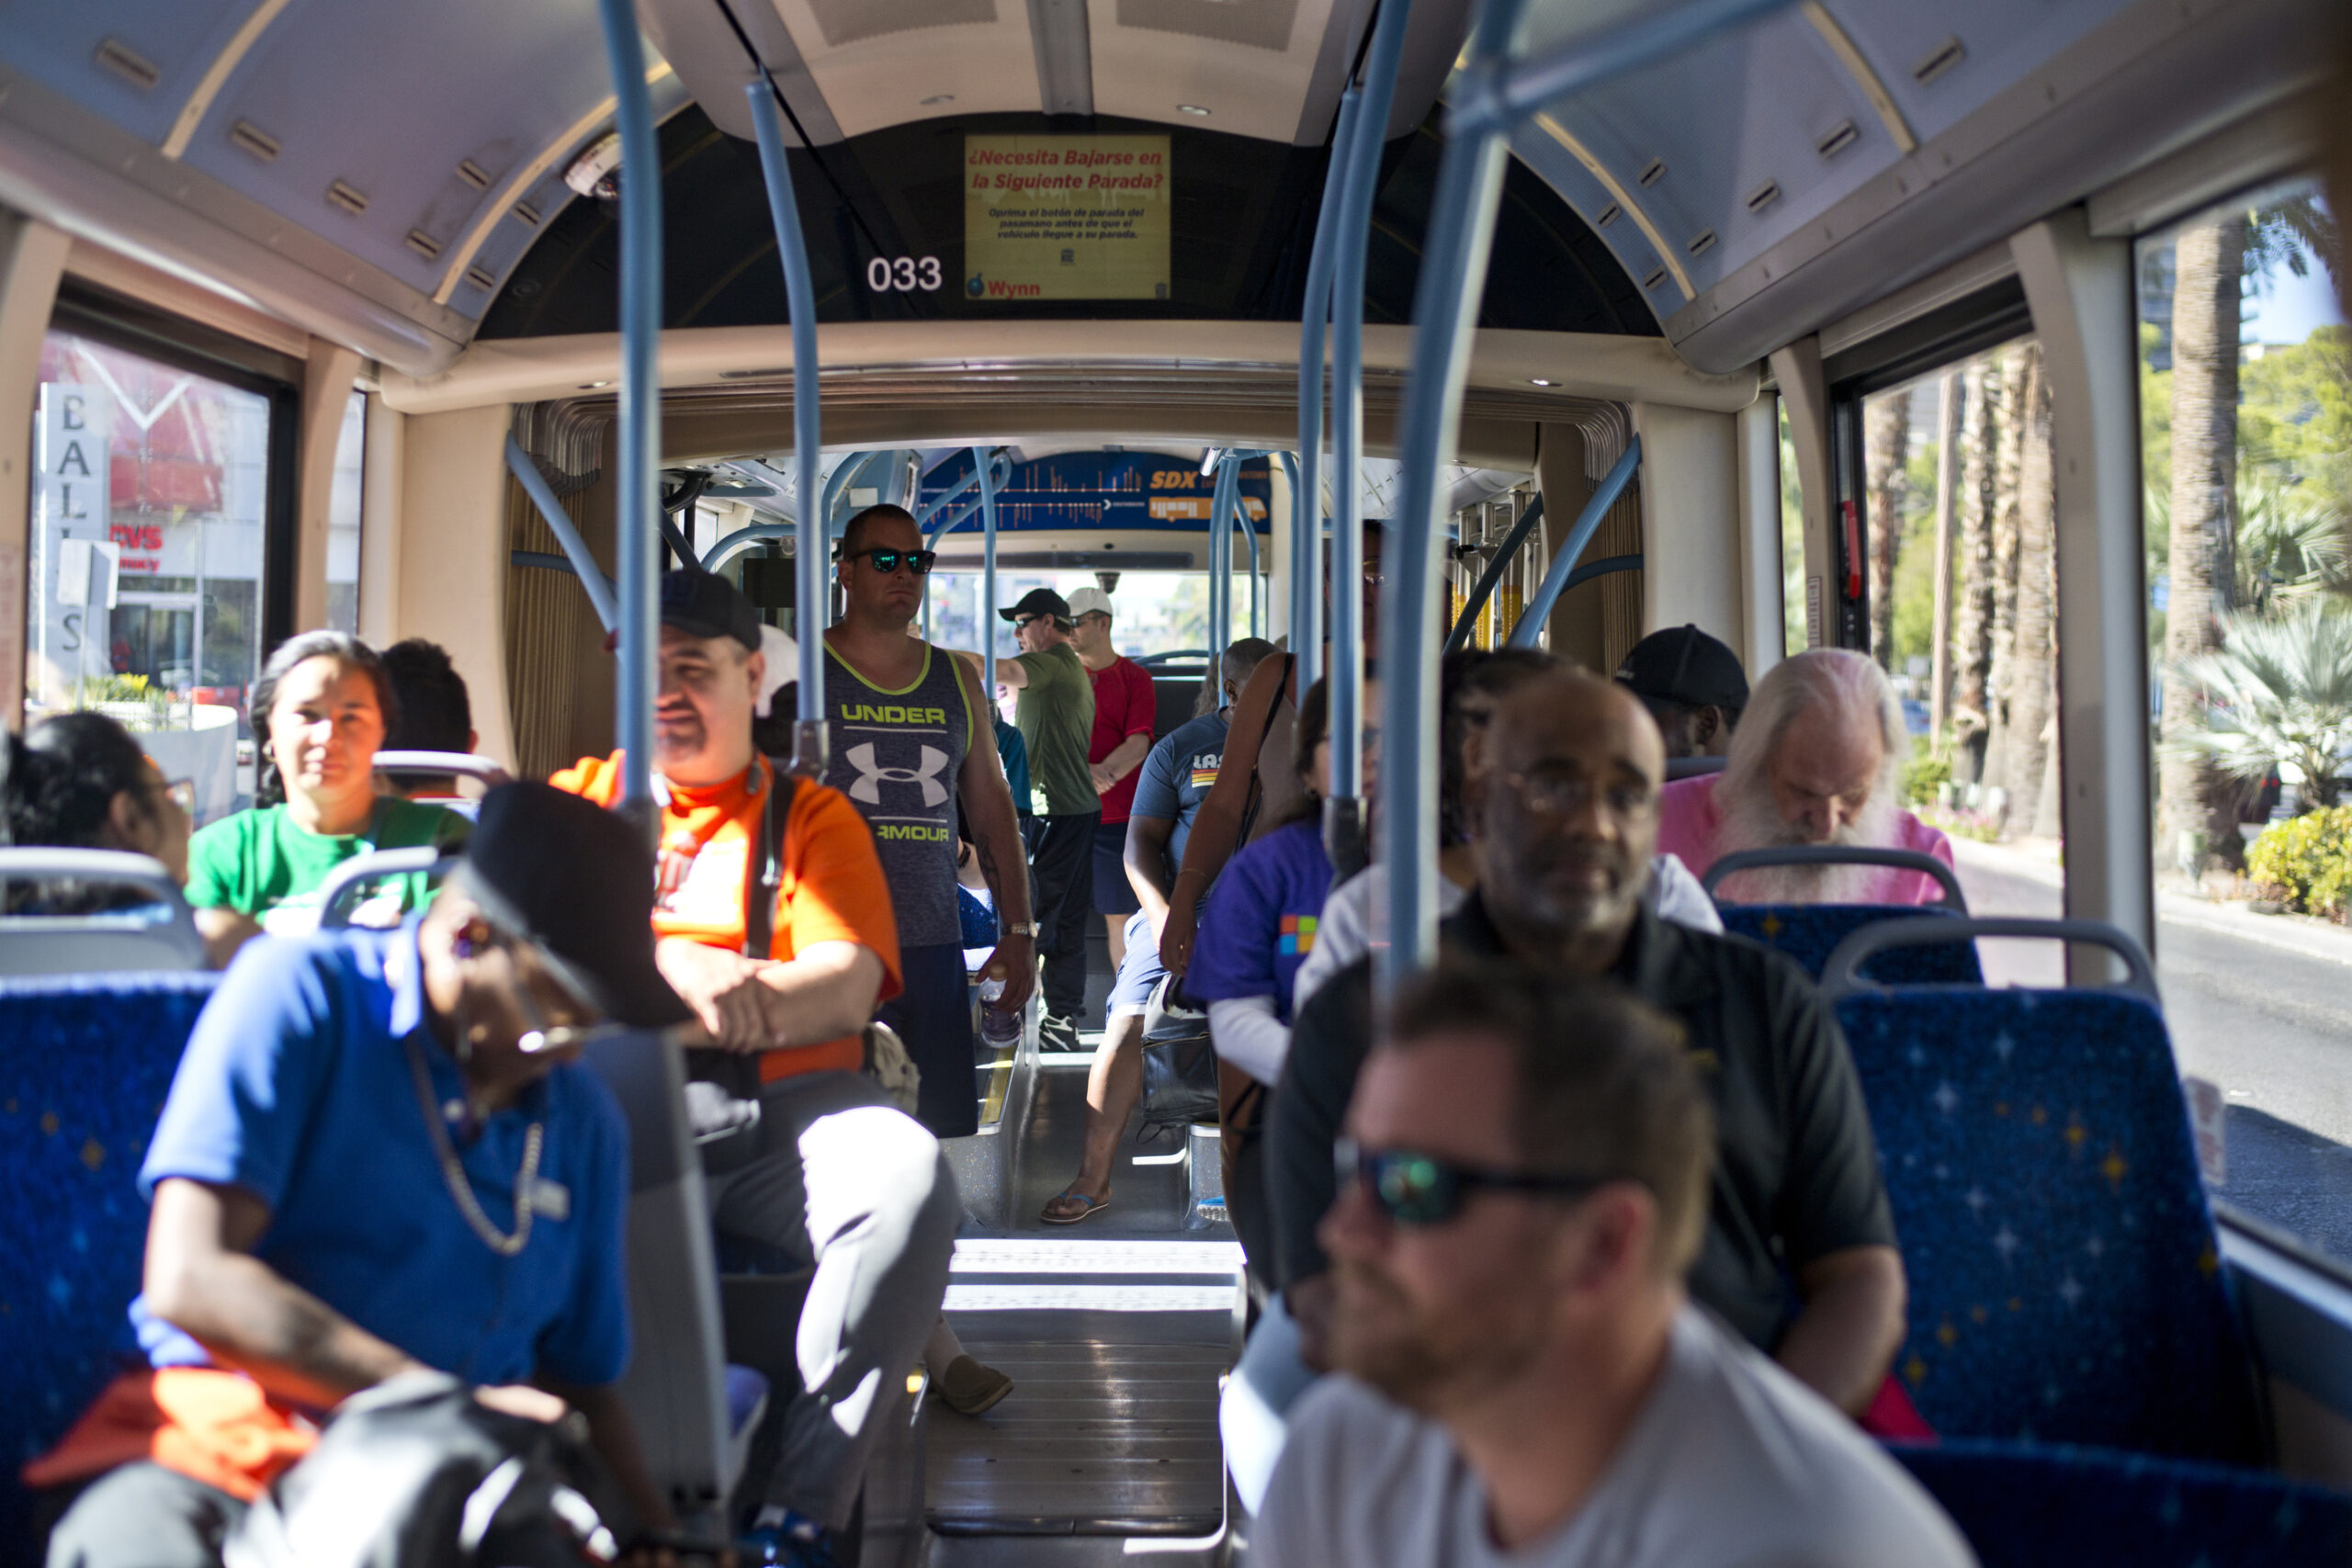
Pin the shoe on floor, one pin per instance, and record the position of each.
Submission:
(968, 1388)
(785, 1540)
(1086, 1210)
(1055, 1032)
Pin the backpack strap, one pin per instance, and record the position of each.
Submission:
(1256, 799)
(767, 871)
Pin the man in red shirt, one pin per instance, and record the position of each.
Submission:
(1126, 711)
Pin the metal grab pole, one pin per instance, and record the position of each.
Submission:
(807, 435)
(1504, 555)
(1587, 524)
(639, 480)
(989, 618)
(1445, 306)
(1306, 480)
(742, 539)
(1221, 559)
(1249, 538)
(559, 522)
(999, 473)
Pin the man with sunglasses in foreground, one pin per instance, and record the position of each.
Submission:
(379, 1159)
(1523, 1186)
(1564, 821)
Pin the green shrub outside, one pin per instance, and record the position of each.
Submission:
(2307, 861)
(1925, 774)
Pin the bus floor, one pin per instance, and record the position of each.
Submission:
(1116, 1333)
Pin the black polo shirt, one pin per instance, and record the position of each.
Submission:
(1797, 1172)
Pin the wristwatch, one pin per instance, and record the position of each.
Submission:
(1026, 928)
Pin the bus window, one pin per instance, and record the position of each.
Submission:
(344, 519)
(2245, 388)
(145, 585)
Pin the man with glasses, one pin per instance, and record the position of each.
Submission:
(1055, 711)
(1566, 803)
(1126, 711)
(1523, 1184)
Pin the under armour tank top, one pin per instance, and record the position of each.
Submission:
(896, 754)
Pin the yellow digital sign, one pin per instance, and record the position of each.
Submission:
(1066, 217)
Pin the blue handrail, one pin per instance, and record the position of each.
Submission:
(1221, 551)
(1306, 478)
(742, 539)
(989, 619)
(807, 435)
(638, 481)
(1349, 242)
(559, 522)
(1555, 577)
(1489, 95)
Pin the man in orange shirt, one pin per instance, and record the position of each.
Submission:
(838, 1176)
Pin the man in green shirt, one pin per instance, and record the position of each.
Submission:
(1055, 713)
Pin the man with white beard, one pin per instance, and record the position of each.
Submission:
(1816, 761)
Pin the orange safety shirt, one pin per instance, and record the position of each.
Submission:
(831, 887)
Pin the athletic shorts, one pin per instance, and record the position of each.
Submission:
(1131, 992)
(934, 1017)
(1114, 894)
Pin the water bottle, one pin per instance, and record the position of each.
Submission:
(998, 1027)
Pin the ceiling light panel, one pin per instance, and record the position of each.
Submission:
(1249, 62)
(877, 61)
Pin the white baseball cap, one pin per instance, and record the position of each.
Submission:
(1090, 601)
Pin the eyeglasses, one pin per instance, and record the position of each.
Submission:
(1022, 623)
(1418, 1189)
(541, 1037)
(888, 561)
(1558, 794)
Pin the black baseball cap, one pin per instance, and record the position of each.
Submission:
(703, 603)
(1039, 601)
(576, 882)
(1683, 664)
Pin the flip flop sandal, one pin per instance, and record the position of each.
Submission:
(1093, 1207)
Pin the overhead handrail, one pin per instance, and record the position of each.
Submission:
(575, 549)
(1488, 578)
(1606, 565)
(1307, 481)
(639, 440)
(1842, 971)
(1343, 812)
(1001, 475)
(808, 746)
(338, 895)
(1488, 95)
(1538, 612)
(1838, 854)
(742, 539)
(465, 764)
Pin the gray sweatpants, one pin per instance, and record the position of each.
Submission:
(848, 1183)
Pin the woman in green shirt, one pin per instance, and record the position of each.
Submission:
(322, 706)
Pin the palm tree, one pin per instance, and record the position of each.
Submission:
(2033, 663)
(2208, 266)
(1886, 440)
(1972, 659)
(2277, 695)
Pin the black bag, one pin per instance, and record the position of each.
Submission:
(416, 1473)
(1179, 1063)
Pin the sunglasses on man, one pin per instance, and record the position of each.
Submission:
(887, 561)
(1417, 1189)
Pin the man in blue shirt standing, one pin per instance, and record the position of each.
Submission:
(1176, 778)
(378, 1157)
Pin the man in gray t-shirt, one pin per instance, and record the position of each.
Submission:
(1524, 1381)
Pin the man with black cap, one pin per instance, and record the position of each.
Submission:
(378, 1158)
(1055, 712)
(774, 923)
(1693, 686)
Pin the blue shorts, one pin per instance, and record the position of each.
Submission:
(934, 1016)
(1131, 992)
(1114, 894)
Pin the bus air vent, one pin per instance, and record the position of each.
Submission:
(1945, 55)
(1608, 216)
(473, 173)
(1763, 195)
(424, 244)
(482, 278)
(1841, 136)
(346, 196)
(1702, 243)
(252, 140)
(526, 215)
(1653, 172)
(1657, 276)
(129, 64)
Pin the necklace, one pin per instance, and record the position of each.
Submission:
(526, 1178)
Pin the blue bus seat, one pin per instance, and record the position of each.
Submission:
(86, 1062)
(2066, 1276)
(2060, 1507)
(1811, 932)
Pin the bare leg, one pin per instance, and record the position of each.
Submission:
(1113, 1088)
(1117, 926)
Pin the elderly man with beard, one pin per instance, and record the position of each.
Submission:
(1523, 1185)
(1817, 759)
(1566, 806)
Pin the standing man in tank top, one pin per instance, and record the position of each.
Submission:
(903, 717)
